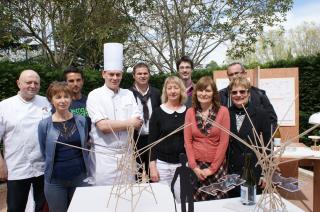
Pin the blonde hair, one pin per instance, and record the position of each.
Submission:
(177, 81)
(240, 81)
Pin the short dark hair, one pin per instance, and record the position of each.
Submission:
(72, 69)
(186, 59)
(140, 65)
(57, 87)
(236, 63)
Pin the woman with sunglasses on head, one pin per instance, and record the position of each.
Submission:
(205, 143)
(240, 125)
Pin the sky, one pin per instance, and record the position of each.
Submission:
(302, 11)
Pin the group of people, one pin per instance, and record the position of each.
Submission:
(45, 140)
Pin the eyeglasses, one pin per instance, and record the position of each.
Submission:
(235, 73)
(184, 67)
(241, 92)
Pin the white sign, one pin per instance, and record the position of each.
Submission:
(280, 92)
(222, 83)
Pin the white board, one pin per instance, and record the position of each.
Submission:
(222, 83)
(280, 92)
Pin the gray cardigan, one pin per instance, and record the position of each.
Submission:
(47, 133)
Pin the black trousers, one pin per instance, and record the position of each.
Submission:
(18, 191)
(144, 158)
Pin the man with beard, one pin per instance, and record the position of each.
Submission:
(75, 80)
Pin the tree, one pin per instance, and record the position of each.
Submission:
(277, 44)
(10, 31)
(69, 31)
(165, 30)
(212, 65)
(304, 40)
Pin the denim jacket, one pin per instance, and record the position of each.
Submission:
(47, 133)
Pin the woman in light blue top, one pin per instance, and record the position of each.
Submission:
(65, 166)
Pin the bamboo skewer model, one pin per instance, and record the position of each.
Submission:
(124, 186)
(129, 168)
(269, 161)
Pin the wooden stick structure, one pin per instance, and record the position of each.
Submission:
(125, 187)
(124, 184)
(269, 161)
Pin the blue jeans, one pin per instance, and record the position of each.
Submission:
(59, 192)
(18, 192)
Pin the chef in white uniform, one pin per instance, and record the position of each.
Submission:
(112, 111)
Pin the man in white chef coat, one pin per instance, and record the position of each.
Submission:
(22, 164)
(112, 111)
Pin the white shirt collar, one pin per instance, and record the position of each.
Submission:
(143, 93)
(25, 101)
(111, 92)
(169, 111)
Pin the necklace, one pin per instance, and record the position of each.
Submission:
(66, 128)
(64, 125)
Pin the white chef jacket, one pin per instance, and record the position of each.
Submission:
(19, 121)
(104, 103)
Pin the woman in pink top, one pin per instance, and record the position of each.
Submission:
(205, 143)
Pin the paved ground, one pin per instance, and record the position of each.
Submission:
(302, 199)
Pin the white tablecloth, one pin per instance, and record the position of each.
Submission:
(95, 199)
(300, 152)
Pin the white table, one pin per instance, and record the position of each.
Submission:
(95, 199)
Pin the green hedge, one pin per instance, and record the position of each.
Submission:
(309, 87)
(9, 73)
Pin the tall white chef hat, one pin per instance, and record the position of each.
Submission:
(113, 57)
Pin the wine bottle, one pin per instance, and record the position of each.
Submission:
(248, 189)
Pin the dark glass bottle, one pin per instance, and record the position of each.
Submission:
(248, 189)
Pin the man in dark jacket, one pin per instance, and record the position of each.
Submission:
(148, 98)
(258, 97)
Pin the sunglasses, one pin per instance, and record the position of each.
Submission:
(241, 92)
